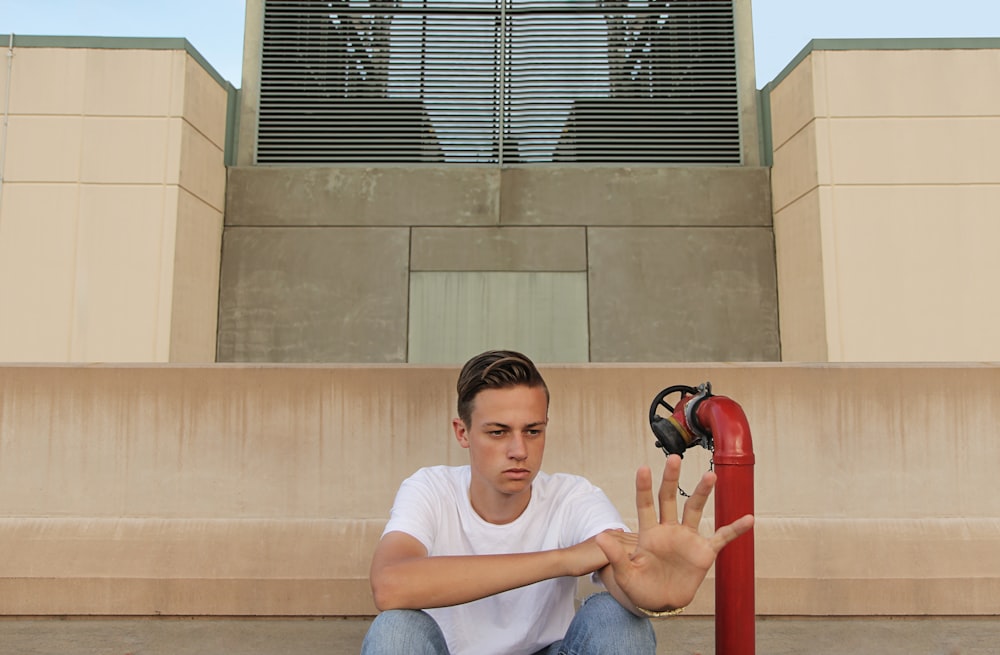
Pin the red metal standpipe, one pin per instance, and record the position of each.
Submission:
(720, 420)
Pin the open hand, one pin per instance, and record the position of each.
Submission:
(670, 561)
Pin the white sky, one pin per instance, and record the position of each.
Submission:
(781, 27)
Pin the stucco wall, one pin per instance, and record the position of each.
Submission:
(113, 194)
(235, 490)
(885, 189)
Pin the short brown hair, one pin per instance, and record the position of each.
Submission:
(495, 369)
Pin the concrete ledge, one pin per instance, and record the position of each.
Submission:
(261, 490)
(147, 567)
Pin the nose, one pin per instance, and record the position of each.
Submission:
(517, 448)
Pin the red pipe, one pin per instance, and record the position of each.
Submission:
(735, 615)
(724, 420)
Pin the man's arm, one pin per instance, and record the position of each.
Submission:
(403, 576)
(670, 559)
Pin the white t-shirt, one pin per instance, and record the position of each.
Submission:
(433, 506)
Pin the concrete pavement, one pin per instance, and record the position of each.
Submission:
(339, 636)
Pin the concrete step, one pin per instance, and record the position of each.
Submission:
(343, 636)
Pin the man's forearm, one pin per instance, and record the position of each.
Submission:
(426, 582)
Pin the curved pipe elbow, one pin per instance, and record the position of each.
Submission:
(725, 420)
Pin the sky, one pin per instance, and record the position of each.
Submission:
(781, 27)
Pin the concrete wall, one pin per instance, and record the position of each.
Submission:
(112, 201)
(422, 264)
(431, 265)
(233, 490)
(885, 191)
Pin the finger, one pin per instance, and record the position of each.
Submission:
(727, 533)
(644, 498)
(695, 505)
(668, 490)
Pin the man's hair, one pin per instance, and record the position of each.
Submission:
(494, 369)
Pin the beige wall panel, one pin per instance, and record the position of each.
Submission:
(801, 164)
(499, 249)
(310, 448)
(354, 196)
(676, 195)
(205, 101)
(124, 273)
(837, 547)
(901, 83)
(453, 316)
(154, 597)
(147, 567)
(646, 305)
(64, 73)
(133, 82)
(101, 117)
(43, 149)
(798, 240)
(915, 150)
(794, 102)
(130, 150)
(313, 295)
(37, 261)
(929, 297)
(202, 167)
(216, 490)
(195, 306)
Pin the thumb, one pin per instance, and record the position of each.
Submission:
(612, 549)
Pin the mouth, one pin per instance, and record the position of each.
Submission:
(517, 473)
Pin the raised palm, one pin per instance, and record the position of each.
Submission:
(670, 559)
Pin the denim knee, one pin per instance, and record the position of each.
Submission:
(404, 631)
(603, 626)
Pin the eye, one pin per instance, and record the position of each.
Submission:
(495, 433)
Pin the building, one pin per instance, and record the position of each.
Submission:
(855, 227)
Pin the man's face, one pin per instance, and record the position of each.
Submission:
(506, 440)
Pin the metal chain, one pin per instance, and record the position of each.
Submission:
(711, 467)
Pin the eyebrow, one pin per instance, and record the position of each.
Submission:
(495, 424)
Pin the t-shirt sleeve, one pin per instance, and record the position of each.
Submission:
(414, 510)
(592, 513)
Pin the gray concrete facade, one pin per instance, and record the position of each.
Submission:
(317, 261)
(678, 260)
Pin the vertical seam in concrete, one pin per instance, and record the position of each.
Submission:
(764, 126)
(835, 340)
(161, 260)
(500, 183)
(409, 295)
(218, 293)
(586, 263)
(777, 283)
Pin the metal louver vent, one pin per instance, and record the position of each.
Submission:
(498, 81)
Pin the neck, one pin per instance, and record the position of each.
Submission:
(498, 509)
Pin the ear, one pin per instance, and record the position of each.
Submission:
(461, 432)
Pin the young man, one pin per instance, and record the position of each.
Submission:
(484, 558)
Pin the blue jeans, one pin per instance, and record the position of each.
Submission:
(601, 627)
